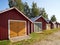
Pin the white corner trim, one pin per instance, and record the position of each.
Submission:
(28, 27)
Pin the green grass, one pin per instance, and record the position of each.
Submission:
(5, 42)
(35, 37)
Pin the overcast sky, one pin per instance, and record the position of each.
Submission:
(51, 6)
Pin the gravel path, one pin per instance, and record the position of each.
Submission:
(53, 39)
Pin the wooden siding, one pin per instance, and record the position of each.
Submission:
(10, 15)
(48, 26)
(17, 29)
(51, 25)
(43, 23)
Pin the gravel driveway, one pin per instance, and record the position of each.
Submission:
(53, 39)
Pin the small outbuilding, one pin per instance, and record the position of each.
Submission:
(54, 24)
(39, 23)
(13, 23)
(51, 25)
(57, 24)
(48, 25)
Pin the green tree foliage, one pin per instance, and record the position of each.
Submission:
(16, 3)
(43, 13)
(27, 10)
(30, 12)
(12, 3)
(35, 10)
(53, 18)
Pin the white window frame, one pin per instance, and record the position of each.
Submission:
(34, 26)
(15, 21)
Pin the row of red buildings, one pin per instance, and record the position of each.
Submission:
(13, 23)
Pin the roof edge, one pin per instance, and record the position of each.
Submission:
(42, 17)
(17, 10)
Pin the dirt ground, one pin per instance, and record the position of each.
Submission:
(53, 39)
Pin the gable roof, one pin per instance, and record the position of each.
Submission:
(54, 22)
(57, 22)
(36, 18)
(15, 9)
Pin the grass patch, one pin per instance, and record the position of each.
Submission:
(35, 37)
(47, 32)
(5, 42)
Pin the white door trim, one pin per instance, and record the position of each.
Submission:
(34, 25)
(15, 21)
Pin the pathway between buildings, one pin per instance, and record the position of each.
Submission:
(53, 39)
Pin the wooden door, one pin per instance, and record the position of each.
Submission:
(17, 29)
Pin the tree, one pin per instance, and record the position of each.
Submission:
(35, 10)
(12, 3)
(43, 13)
(16, 3)
(53, 18)
(27, 10)
(30, 12)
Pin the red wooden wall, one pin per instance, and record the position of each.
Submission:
(43, 22)
(10, 15)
